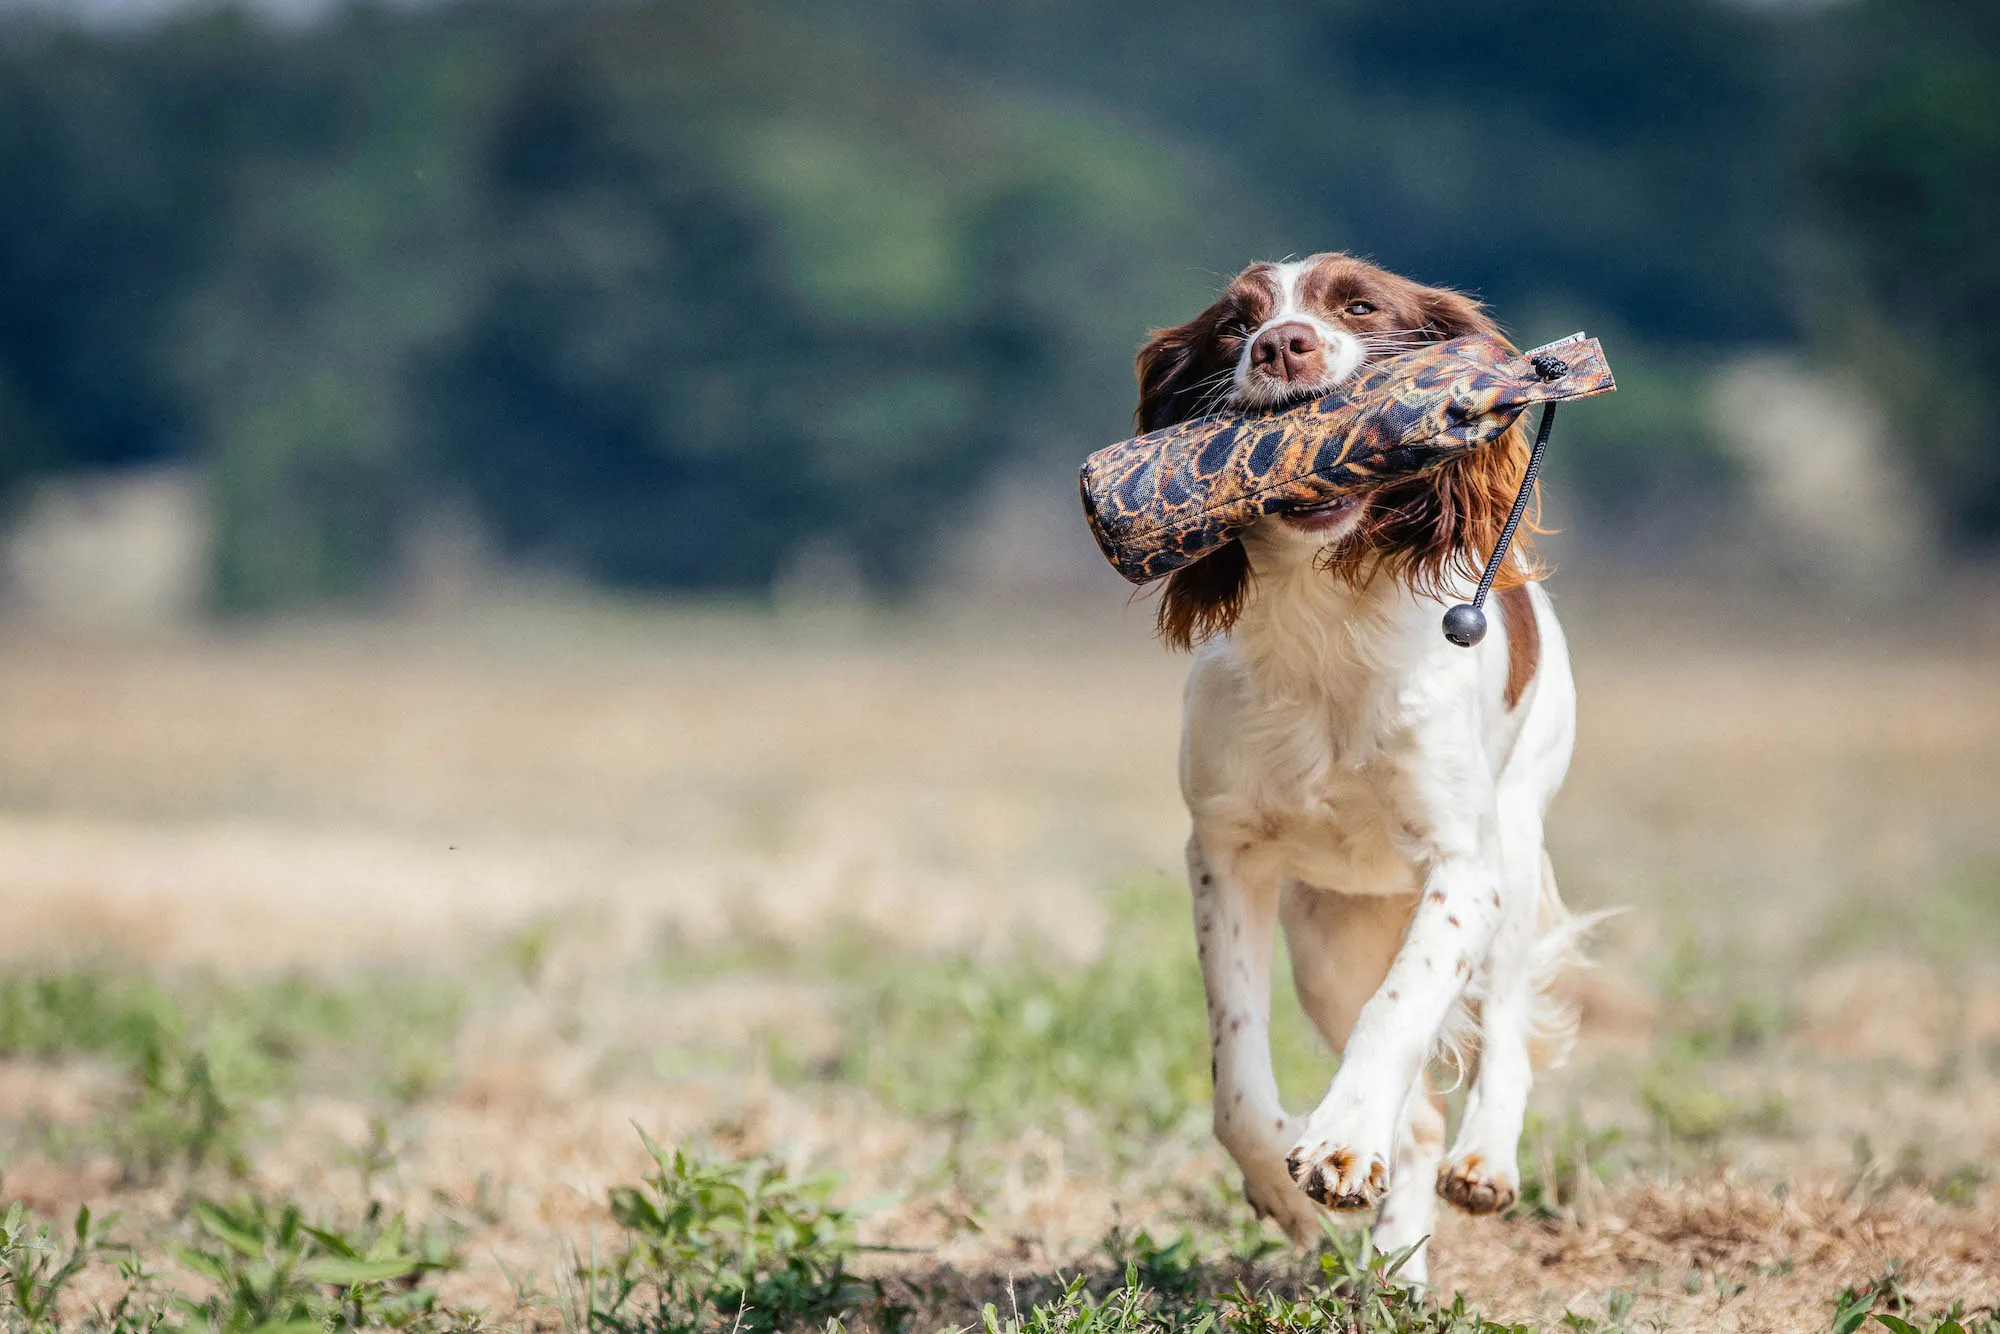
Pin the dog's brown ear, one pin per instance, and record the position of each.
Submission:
(1173, 368)
(1448, 314)
(1204, 599)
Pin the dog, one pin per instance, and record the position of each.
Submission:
(1353, 775)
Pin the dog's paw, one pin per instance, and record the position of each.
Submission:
(1476, 1186)
(1338, 1177)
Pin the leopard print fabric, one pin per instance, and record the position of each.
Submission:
(1165, 499)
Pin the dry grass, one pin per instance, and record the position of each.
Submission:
(626, 838)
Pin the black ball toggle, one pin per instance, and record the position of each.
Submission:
(1465, 625)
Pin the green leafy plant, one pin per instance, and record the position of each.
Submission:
(1889, 1303)
(177, 1117)
(740, 1244)
(1617, 1313)
(34, 1269)
(1354, 1271)
(1949, 1322)
(1173, 1268)
(272, 1270)
(1075, 1311)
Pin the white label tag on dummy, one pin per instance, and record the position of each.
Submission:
(1576, 337)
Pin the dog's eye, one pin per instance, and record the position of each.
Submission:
(1360, 308)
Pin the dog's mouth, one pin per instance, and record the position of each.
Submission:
(1262, 393)
(1324, 518)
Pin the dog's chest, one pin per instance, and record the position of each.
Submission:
(1330, 807)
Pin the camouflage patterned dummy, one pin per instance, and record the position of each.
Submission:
(1165, 499)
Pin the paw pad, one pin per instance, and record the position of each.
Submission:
(1336, 1182)
(1470, 1185)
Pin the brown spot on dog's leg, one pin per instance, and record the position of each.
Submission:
(1524, 640)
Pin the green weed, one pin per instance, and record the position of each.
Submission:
(743, 1245)
(176, 1118)
(34, 1269)
(1617, 1315)
(1885, 1299)
(271, 1270)
(1172, 1268)
(265, 1267)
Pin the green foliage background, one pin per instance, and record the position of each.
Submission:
(664, 291)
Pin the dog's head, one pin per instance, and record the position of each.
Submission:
(1284, 333)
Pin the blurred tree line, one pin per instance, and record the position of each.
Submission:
(664, 291)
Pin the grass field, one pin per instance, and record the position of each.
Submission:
(430, 922)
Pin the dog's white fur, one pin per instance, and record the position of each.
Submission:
(1354, 775)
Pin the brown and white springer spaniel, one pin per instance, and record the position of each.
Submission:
(1352, 774)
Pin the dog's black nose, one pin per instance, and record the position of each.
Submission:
(1287, 352)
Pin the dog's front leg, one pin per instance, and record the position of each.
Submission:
(1235, 927)
(1482, 1174)
(1342, 1160)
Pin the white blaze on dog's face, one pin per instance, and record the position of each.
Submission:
(1296, 353)
(1324, 318)
(1285, 333)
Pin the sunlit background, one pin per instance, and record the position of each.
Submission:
(541, 588)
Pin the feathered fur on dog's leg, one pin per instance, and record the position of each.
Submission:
(1535, 938)
(1410, 1212)
(1235, 927)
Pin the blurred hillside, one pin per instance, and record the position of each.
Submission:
(672, 296)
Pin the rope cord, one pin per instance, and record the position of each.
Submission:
(1520, 506)
(1465, 624)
